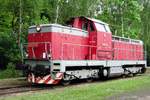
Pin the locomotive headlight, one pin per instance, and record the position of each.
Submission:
(44, 55)
(38, 28)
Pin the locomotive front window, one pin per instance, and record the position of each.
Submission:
(100, 27)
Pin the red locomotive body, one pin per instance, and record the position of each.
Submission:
(85, 49)
(127, 49)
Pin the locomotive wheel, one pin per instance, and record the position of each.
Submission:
(65, 82)
(143, 70)
(89, 80)
(124, 76)
(106, 73)
(134, 74)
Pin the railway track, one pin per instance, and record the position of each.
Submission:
(10, 90)
(20, 89)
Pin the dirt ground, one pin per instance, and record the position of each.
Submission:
(11, 82)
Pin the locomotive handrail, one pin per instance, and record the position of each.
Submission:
(66, 43)
(88, 46)
(35, 44)
(128, 40)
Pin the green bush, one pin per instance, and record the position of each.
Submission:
(10, 72)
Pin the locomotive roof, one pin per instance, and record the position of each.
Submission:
(91, 19)
(96, 20)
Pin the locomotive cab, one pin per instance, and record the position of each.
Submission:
(100, 37)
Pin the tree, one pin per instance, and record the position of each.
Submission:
(123, 16)
(145, 27)
(129, 18)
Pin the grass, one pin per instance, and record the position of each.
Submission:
(92, 91)
(10, 74)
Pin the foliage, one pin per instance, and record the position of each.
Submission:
(10, 72)
(145, 27)
(123, 17)
(8, 49)
(129, 18)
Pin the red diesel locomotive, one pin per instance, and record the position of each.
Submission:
(84, 49)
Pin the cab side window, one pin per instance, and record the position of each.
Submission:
(91, 27)
(85, 26)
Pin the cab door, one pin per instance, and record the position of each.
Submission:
(104, 42)
(92, 41)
